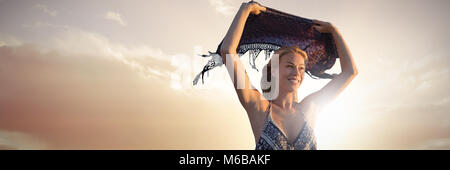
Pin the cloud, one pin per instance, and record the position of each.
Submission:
(406, 81)
(45, 9)
(222, 6)
(78, 101)
(71, 41)
(20, 141)
(407, 96)
(396, 97)
(435, 144)
(43, 25)
(178, 68)
(6, 40)
(71, 100)
(77, 89)
(443, 102)
(116, 17)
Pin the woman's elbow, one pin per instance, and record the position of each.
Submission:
(355, 72)
(350, 73)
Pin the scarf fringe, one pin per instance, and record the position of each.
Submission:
(254, 50)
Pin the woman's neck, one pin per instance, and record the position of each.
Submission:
(286, 101)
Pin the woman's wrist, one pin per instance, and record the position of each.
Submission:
(245, 8)
(334, 31)
(252, 8)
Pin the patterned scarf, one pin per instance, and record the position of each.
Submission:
(273, 29)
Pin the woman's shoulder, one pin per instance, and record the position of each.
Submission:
(309, 109)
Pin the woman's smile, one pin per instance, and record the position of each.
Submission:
(294, 81)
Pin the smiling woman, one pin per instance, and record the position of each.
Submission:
(266, 86)
(74, 78)
(278, 120)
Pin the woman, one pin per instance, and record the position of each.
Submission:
(282, 122)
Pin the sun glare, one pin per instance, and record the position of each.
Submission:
(333, 123)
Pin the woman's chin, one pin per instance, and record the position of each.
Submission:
(294, 86)
(291, 88)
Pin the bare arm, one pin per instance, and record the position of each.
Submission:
(348, 69)
(249, 97)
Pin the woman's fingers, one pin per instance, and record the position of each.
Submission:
(323, 27)
(256, 8)
(317, 28)
(262, 8)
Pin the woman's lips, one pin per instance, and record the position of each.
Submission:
(295, 81)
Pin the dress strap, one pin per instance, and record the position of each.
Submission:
(269, 115)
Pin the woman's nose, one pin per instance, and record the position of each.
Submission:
(297, 71)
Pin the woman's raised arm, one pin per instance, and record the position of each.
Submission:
(331, 90)
(248, 95)
(250, 98)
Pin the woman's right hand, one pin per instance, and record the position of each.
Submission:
(254, 7)
(323, 27)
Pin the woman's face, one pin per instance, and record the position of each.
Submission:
(291, 72)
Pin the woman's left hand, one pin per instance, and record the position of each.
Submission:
(255, 7)
(323, 27)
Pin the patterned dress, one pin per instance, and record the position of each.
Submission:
(272, 138)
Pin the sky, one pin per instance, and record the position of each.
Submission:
(110, 74)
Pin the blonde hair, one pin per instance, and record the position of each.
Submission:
(266, 86)
(291, 50)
